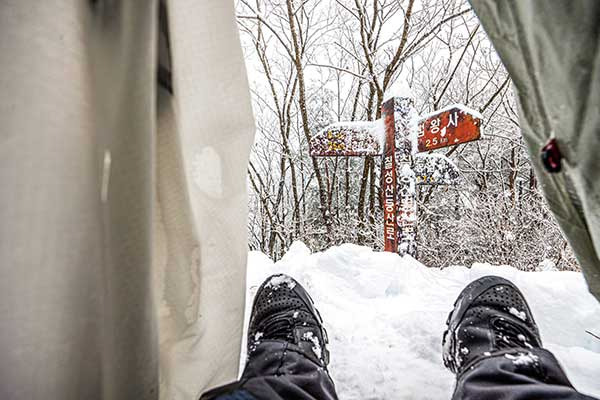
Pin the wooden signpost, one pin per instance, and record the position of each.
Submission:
(399, 137)
(447, 127)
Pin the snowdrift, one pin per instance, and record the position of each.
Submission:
(385, 316)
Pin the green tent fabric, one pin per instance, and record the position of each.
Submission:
(123, 207)
(551, 50)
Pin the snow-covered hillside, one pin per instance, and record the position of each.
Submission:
(385, 316)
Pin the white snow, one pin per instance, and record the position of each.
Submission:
(359, 136)
(431, 157)
(316, 347)
(523, 358)
(400, 88)
(437, 166)
(519, 314)
(385, 316)
(461, 108)
(379, 131)
(358, 125)
(276, 281)
(407, 175)
(547, 265)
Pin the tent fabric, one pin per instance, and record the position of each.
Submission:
(123, 206)
(201, 324)
(551, 51)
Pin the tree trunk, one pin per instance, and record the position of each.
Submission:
(304, 115)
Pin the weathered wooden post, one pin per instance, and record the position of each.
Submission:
(399, 137)
(399, 117)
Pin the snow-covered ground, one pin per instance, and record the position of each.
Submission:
(385, 316)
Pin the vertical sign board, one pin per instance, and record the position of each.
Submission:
(398, 179)
(406, 217)
(388, 179)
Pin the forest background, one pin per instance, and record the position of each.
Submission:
(314, 62)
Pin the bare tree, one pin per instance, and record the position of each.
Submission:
(315, 62)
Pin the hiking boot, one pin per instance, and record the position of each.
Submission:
(283, 310)
(490, 317)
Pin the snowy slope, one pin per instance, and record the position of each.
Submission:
(385, 316)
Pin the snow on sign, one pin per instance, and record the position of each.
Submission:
(398, 141)
(453, 125)
(435, 169)
(349, 139)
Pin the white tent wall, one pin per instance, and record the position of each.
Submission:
(119, 269)
(77, 116)
(204, 295)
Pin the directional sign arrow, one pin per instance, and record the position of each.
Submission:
(349, 139)
(402, 168)
(452, 125)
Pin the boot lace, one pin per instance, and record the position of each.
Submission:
(277, 327)
(510, 335)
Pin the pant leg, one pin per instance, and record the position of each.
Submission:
(279, 370)
(516, 375)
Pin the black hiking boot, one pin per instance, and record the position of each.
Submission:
(490, 317)
(283, 310)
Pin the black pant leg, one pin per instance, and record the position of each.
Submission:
(524, 374)
(279, 370)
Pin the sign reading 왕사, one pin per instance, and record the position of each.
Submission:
(403, 166)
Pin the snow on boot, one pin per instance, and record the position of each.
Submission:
(283, 310)
(490, 317)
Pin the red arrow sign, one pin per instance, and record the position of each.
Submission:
(453, 125)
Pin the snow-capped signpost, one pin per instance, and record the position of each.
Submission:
(399, 137)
